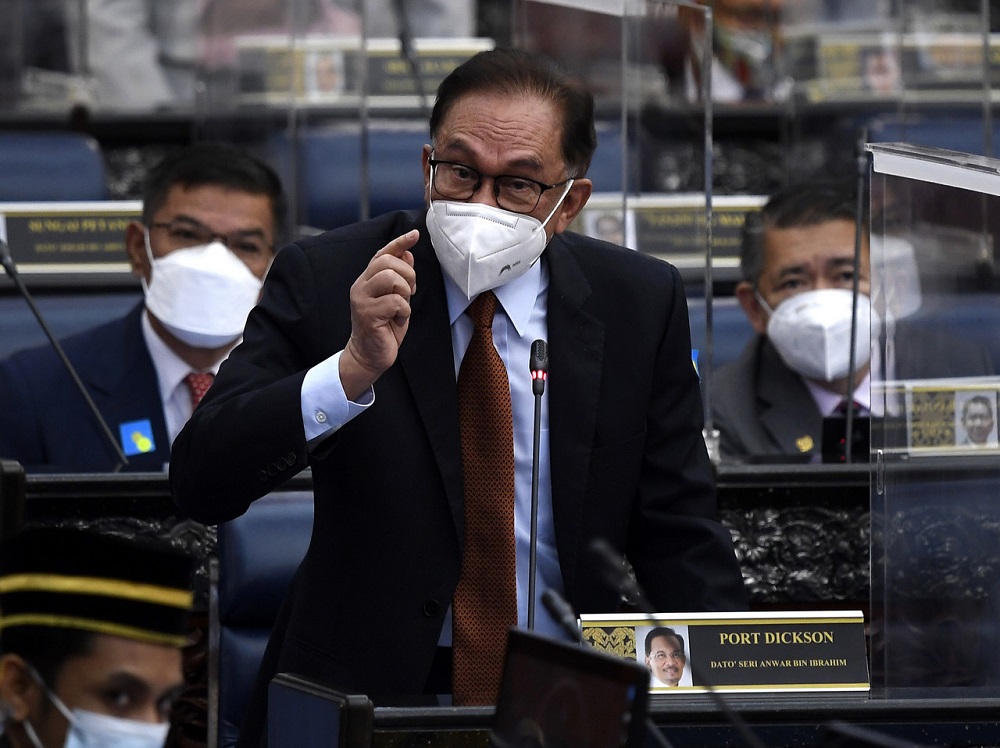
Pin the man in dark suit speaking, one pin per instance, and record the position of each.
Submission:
(356, 363)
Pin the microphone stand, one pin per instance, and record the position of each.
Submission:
(8, 264)
(539, 364)
(408, 53)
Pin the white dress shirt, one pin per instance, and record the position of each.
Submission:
(325, 408)
(170, 372)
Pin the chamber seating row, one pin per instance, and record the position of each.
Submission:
(321, 167)
(51, 166)
(324, 167)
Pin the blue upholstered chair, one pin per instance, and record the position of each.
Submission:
(50, 166)
(256, 557)
(731, 330)
(65, 313)
(961, 131)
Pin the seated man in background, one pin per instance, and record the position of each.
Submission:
(91, 632)
(211, 217)
(797, 262)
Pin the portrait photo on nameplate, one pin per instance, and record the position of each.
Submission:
(940, 416)
(748, 652)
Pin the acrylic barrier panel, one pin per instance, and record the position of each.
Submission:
(338, 102)
(809, 51)
(936, 472)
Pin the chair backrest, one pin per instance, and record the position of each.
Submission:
(256, 557)
(958, 131)
(731, 330)
(65, 313)
(50, 166)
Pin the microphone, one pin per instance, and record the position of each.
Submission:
(538, 362)
(613, 571)
(564, 615)
(8, 264)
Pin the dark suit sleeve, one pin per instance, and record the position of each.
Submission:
(247, 436)
(19, 437)
(682, 555)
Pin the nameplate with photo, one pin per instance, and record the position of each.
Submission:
(739, 652)
(874, 64)
(336, 70)
(943, 416)
(671, 227)
(68, 237)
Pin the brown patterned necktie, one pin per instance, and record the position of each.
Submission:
(198, 383)
(485, 603)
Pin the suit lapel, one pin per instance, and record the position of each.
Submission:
(124, 386)
(576, 351)
(427, 362)
(788, 410)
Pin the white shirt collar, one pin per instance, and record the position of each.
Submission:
(828, 401)
(517, 297)
(170, 368)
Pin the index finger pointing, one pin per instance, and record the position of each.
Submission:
(401, 244)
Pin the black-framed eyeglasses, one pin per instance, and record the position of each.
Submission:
(185, 232)
(660, 656)
(456, 181)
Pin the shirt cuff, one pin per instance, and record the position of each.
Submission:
(325, 407)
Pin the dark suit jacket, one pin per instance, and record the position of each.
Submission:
(628, 460)
(45, 423)
(763, 409)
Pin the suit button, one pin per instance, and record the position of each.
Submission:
(272, 469)
(262, 475)
(291, 458)
(432, 608)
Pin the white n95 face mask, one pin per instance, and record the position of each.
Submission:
(202, 295)
(92, 730)
(812, 332)
(481, 247)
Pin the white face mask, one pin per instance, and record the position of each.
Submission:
(895, 277)
(92, 730)
(202, 295)
(481, 247)
(812, 332)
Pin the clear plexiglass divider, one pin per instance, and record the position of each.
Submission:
(935, 493)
